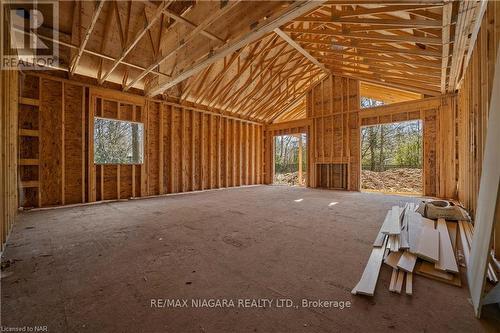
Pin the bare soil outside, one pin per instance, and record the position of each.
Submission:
(289, 178)
(394, 180)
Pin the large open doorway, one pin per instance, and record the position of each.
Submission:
(391, 157)
(290, 159)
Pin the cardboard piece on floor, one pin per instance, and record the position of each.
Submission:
(407, 261)
(368, 281)
(447, 261)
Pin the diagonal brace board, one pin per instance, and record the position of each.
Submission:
(296, 9)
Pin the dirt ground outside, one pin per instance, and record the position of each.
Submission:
(402, 180)
(289, 178)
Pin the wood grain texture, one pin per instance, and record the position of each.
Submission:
(446, 261)
(428, 243)
(50, 142)
(368, 281)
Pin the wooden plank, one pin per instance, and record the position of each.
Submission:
(464, 242)
(427, 269)
(84, 164)
(29, 161)
(30, 183)
(407, 261)
(368, 281)
(394, 239)
(393, 258)
(299, 48)
(88, 33)
(414, 230)
(379, 240)
(394, 278)
(29, 101)
(447, 261)
(193, 157)
(452, 231)
(171, 181)
(63, 143)
(409, 284)
(404, 237)
(428, 243)
(391, 224)
(488, 207)
(27, 132)
(399, 282)
(161, 150)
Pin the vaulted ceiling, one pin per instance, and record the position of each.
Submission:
(257, 59)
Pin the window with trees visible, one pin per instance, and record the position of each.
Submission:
(118, 141)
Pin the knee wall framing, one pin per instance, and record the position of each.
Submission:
(185, 149)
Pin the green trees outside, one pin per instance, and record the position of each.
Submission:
(396, 145)
(117, 142)
(286, 153)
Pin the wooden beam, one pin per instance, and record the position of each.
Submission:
(403, 24)
(299, 48)
(75, 62)
(488, 207)
(137, 39)
(447, 11)
(480, 10)
(372, 36)
(296, 9)
(191, 24)
(186, 40)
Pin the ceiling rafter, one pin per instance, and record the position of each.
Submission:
(86, 38)
(136, 39)
(294, 10)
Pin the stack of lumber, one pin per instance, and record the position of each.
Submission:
(412, 244)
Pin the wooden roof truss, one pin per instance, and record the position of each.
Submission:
(256, 60)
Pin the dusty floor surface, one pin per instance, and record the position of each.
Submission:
(96, 268)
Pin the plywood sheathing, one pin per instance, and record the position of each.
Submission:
(184, 147)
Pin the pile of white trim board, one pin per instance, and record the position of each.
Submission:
(412, 244)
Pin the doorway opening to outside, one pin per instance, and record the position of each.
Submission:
(391, 158)
(290, 159)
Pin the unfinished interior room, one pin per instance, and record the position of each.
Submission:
(250, 166)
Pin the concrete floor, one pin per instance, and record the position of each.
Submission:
(96, 268)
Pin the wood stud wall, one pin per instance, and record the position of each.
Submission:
(437, 115)
(185, 149)
(472, 112)
(8, 152)
(473, 106)
(332, 128)
(333, 107)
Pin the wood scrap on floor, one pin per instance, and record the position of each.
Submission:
(428, 242)
(368, 281)
(447, 261)
(410, 243)
(409, 283)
